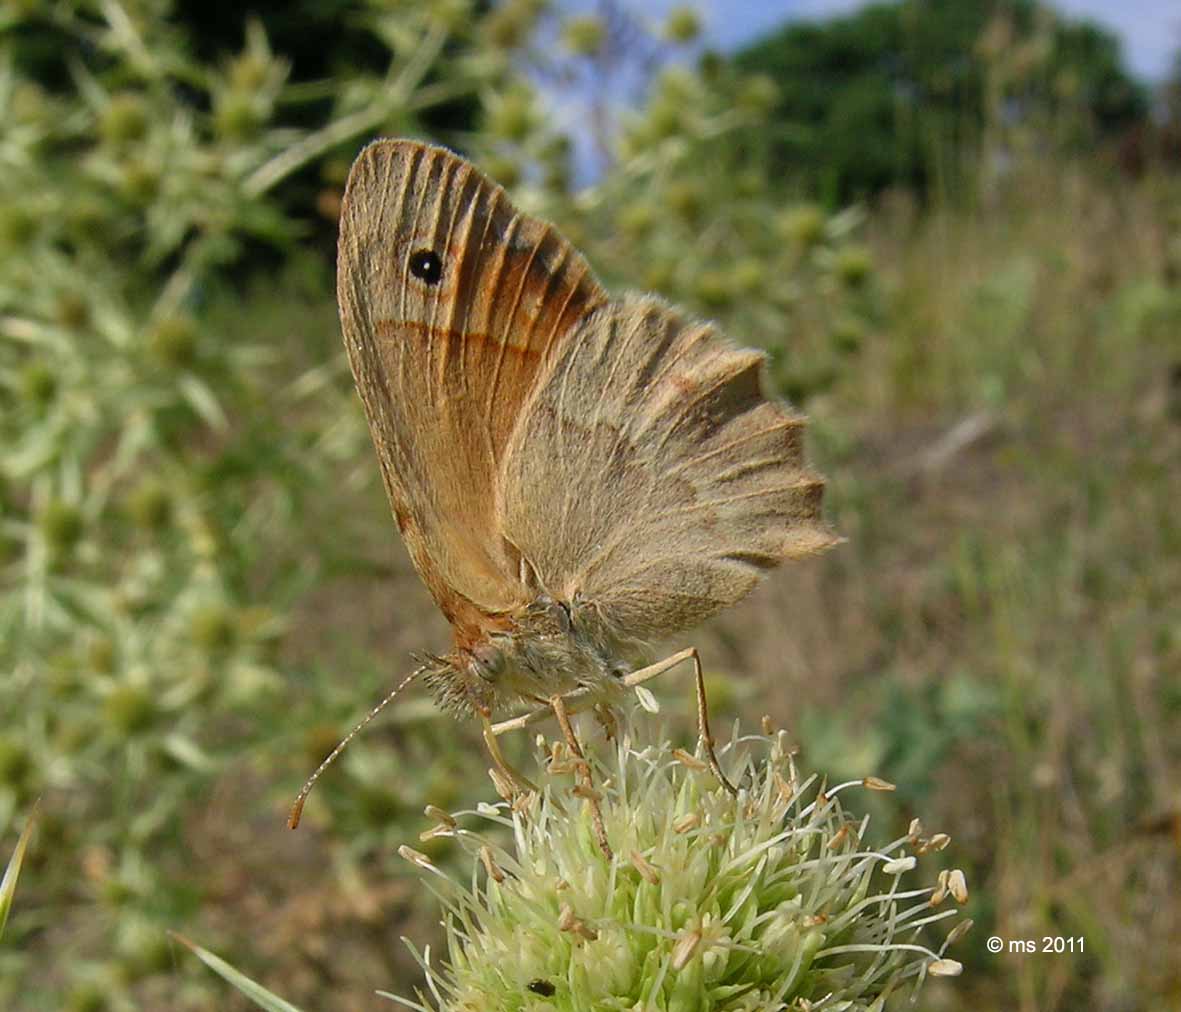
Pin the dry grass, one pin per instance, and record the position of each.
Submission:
(998, 635)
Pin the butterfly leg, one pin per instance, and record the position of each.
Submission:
(578, 699)
(515, 776)
(584, 775)
(707, 738)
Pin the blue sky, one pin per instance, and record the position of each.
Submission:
(1150, 29)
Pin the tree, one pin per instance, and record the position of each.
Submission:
(875, 98)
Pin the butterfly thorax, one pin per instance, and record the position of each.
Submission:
(550, 648)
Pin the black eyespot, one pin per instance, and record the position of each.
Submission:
(426, 266)
(542, 987)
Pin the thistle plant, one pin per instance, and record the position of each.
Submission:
(774, 899)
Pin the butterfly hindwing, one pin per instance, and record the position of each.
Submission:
(651, 477)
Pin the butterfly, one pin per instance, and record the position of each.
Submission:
(574, 474)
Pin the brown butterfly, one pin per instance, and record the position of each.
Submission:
(573, 474)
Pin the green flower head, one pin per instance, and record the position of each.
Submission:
(768, 900)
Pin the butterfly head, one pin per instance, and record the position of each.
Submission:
(465, 683)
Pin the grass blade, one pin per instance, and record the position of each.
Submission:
(8, 884)
(255, 992)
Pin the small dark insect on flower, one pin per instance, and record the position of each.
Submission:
(541, 987)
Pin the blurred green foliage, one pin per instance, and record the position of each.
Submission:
(199, 584)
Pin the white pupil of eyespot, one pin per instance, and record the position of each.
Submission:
(425, 265)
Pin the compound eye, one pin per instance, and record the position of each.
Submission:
(487, 662)
(427, 266)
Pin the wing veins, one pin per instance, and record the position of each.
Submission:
(783, 426)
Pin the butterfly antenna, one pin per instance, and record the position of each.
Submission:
(297, 807)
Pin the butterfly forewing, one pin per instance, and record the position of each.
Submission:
(452, 306)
